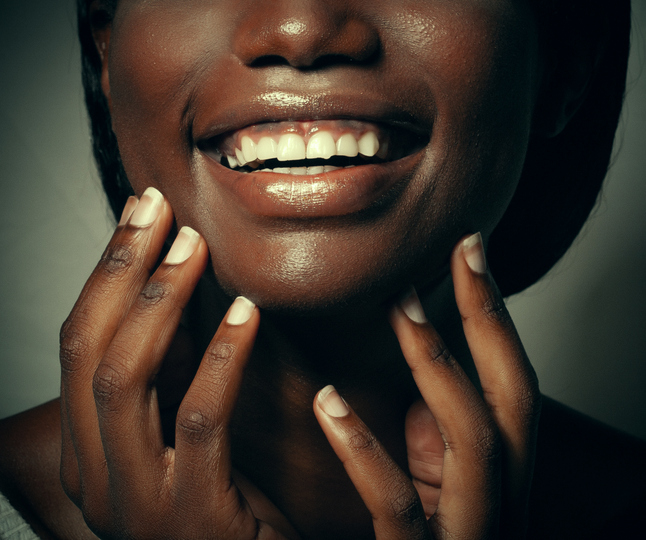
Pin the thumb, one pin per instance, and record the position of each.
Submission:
(425, 454)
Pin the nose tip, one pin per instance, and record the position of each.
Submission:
(311, 36)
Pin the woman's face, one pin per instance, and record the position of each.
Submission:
(442, 90)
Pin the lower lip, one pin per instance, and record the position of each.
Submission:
(336, 193)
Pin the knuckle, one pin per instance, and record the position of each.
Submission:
(495, 311)
(220, 352)
(364, 442)
(76, 343)
(529, 401)
(487, 443)
(197, 424)
(110, 384)
(117, 258)
(153, 293)
(406, 509)
(439, 353)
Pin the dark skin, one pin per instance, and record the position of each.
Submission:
(238, 452)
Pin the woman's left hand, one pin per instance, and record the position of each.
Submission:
(471, 457)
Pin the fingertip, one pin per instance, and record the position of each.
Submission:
(240, 311)
(331, 402)
(473, 252)
(128, 209)
(183, 247)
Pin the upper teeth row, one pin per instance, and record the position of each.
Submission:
(291, 146)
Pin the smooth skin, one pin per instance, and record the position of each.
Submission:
(206, 433)
(470, 458)
(115, 461)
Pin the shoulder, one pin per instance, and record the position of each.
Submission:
(589, 478)
(29, 473)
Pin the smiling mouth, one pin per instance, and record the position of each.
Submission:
(311, 148)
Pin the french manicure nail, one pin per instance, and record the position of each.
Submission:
(474, 253)
(332, 403)
(148, 208)
(411, 305)
(183, 246)
(128, 209)
(240, 311)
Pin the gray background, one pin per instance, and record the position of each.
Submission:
(584, 326)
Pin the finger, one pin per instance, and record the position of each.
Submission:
(468, 501)
(425, 449)
(202, 446)
(117, 280)
(387, 492)
(125, 398)
(509, 383)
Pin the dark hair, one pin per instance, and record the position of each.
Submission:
(562, 176)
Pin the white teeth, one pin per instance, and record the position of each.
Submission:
(302, 171)
(266, 148)
(248, 149)
(291, 147)
(347, 145)
(368, 144)
(321, 145)
(240, 157)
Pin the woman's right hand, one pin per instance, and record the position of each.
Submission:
(115, 465)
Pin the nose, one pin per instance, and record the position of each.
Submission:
(304, 34)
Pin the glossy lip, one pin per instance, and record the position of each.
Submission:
(336, 193)
(273, 107)
(332, 194)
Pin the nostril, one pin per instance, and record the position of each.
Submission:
(306, 39)
(269, 60)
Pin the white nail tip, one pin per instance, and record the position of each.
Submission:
(240, 311)
(183, 246)
(332, 403)
(411, 305)
(474, 254)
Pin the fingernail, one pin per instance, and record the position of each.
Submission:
(240, 311)
(332, 403)
(183, 246)
(128, 209)
(474, 253)
(411, 305)
(148, 208)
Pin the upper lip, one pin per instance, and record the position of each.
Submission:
(278, 106)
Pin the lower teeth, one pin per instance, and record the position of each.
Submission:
(303, 171)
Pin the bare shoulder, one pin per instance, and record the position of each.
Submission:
(589, 480)
(29, 473)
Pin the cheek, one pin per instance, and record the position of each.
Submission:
(155, 56)
(482, 67)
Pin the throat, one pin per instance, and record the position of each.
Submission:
(277, 442)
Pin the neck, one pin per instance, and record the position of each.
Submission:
(276, 440)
